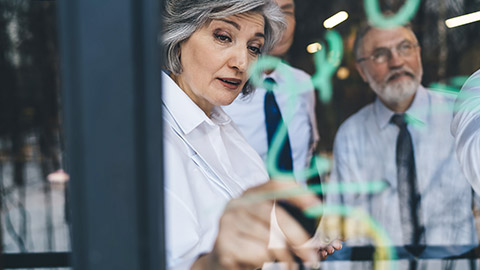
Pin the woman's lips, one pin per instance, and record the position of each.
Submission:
(230, 83)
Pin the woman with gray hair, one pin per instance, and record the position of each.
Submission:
(215, 217)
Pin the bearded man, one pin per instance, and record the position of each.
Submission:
(403, 139)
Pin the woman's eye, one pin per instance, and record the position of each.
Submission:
(255, 50)
(223, 38)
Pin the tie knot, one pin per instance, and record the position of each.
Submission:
(399, 120)
(269, 83)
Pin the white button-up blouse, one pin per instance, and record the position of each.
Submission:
(207, 163)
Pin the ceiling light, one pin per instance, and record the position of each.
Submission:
(343, 73)
(314, 47)
(464, 19)
(335, 19)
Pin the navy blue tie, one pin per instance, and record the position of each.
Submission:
(409, 197)
(273, 119)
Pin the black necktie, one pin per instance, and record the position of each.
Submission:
(409, 197)
(273, 119)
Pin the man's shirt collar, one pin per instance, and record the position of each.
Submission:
(417, 112)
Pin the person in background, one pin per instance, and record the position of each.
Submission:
(466, 129)
(403, 139)
(218, 196)
(251, 113)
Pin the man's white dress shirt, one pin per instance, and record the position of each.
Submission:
(207, 163)
(248, 114)
(364, 150)
(466, 129)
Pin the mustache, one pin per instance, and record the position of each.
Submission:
(397, 73)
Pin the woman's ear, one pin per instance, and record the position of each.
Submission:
(179, 51)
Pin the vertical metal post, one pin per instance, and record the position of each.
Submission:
(112, 119)
(1, 221)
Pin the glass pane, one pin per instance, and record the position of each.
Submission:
(361, 153)
(32, 181)
(357, 137)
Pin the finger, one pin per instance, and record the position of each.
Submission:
(238, 252)
(330, 250)
(293, 231)
(256, 206)
(252, 253)
(307, 255)
(329, 232)
(336, 244)
(244, 235)
(250, 225)
(283, 256)
(323, 254)
(261, 211)
(296, 236)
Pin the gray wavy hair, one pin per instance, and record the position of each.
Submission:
(181, 18)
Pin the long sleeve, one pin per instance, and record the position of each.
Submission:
(466, 130)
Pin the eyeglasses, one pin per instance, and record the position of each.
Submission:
(382, 55)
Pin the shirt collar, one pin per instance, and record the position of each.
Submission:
(219, 117)
(417, 112)
(185, 112)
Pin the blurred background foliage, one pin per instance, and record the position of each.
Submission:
(30, 133)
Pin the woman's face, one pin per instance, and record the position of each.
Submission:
(216, 57)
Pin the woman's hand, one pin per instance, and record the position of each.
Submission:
(329, 249)
(245, 235)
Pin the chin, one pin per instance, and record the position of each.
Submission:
(400, 91)
(226, 101)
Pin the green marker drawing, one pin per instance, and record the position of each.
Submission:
(444, 88)
(452, 87)
(326, 64)
(458, 81)
(404, 15)
(326, 67)
(449, 90)
(293, 89)
(467, 102)
(369, 187)
(385, 254)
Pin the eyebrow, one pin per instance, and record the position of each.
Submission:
(401, 42)
(287, 6)
(237, 26)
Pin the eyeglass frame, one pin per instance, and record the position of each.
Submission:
(390, 52)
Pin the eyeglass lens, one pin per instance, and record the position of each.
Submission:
(384, 54)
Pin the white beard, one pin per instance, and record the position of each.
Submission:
(397, 92)
(400, 91)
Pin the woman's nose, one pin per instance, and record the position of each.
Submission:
(239, 60)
